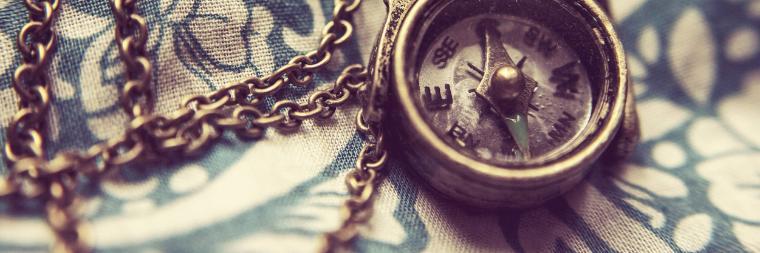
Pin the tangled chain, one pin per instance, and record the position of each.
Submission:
(188, 131)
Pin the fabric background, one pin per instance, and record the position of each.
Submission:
(693, 185)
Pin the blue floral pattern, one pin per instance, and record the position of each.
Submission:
(692, 186)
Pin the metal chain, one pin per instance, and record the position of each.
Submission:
(187, 132)
(36, 41)
(131, 39)
(362, 183)
(25, 139)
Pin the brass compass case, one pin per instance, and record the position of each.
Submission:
(411, 31)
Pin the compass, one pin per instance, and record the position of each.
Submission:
(500, 103)
(513, 90)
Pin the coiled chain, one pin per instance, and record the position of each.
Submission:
(188, 131)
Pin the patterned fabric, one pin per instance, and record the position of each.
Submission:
(693, 185)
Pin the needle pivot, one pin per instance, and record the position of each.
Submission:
(505, 87)
(508, 83)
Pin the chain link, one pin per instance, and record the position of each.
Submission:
(25, 142)
(362, 183)
(131, 35)
(188, 131)
(35, 42)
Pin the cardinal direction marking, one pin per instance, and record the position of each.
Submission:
(444, 52)
(566, 80)
(461, 136)
(543, 43)
(561, 129)
(438, 101)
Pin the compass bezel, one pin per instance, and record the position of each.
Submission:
(443, 166)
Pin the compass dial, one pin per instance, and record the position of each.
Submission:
(504, 89)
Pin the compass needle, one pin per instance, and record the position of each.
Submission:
(505, 87)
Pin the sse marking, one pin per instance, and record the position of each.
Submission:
(444, 52)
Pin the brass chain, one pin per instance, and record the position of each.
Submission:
(362, 183)
(36, 41)
(131, 39)
(25, 139)
(199, 121)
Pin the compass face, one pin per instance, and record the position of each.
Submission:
(506, 103)
(503, 89)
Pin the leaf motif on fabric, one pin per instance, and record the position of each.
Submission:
(188, 178)
(633, 191)
(734, 184)
(669, 154)
(692, 55)
(656, 218)
(657, 182)
(662, 117)
(743, 44)
(649, 44)
(709, 137)
(622, 9)
(740, 111)
(747, 235)
(637, 68)
(130, 190)
(693, 233)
